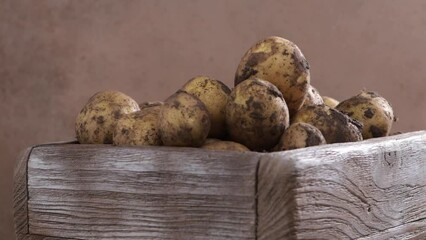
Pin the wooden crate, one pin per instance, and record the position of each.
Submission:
(374, 189)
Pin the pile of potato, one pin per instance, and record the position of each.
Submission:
(272, 107)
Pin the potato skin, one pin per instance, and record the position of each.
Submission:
(256, 115)
(150, 104)
(95, 123)
(210, 140)
(313, 97)
(372, 110)
(225, 146)
(279, 61)
(184, 121)
(138, 128)
(329, 101)
(335, 126)
(215, 95)
(300, 135)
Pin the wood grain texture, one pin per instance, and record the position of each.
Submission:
(412, 230)
(40, 237)
(275, 198)
(20, 194)
(369, 190)
(353, 190)
(104, 192)
(20, 191)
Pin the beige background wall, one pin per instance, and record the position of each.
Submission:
(55, 54)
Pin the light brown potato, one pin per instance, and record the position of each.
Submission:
(329, 101)
(256, 115)
(313, 97)
(335, 126)
(300, 135)
(372, 110)
(150, 104)
(225, 146)
(138, 128)
(279, 61)
(215, 95)
(184, 121)
(96, 121)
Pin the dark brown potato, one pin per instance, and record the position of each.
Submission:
(335, 126)
(300, 135)
(280, 62)
(372, 110)
(210, 140)
(96, 121)
(256, 115)
(184, 121)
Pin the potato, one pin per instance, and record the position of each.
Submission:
(138, 128)
(300, 135)
(210, 140)
(329, 101)
(256, 115)
(96, 121)
(279, 61)
(372, 110)
(313, 97)
(214, 94)
(184, 121)
(225, 146)
(150, 104)
(335, 126)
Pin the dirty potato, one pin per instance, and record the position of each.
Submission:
(96, 121)
(184, 121)
(210, 140)
(150, 104)
(313, 97)
(138, 128)
(329, 101)
(225, 146)
(372, 110)
(279, 61)
(300, 135)
(335, 126)
(256, 115)
(214, 94)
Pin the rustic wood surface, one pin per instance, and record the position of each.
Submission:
(368, 190)
(20, 203)
(99, 191)
(20, 194)
(413, 230)
(40, 237)
(348, 191)
(275, 203)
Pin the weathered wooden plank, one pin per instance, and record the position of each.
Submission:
(40, 237)
(20, 195)
(275, 198)
(344, 191)
(95, 191)
(349, 191)
(20, 191)
(412, 230)
(367, 190)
